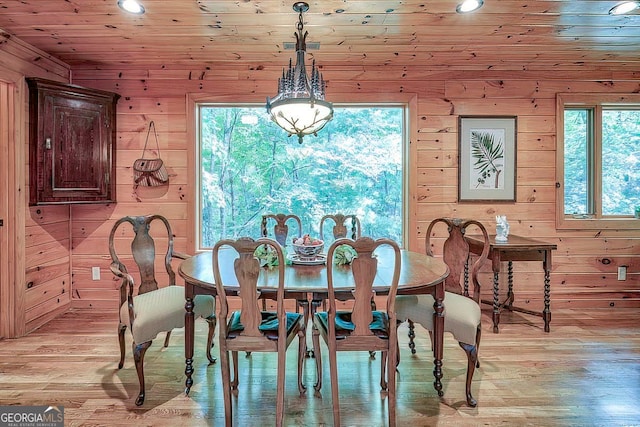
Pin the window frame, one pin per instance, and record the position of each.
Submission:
(597, 102)
(407, 101)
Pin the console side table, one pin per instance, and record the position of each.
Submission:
(516, 248)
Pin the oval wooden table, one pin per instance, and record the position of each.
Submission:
(420, 274)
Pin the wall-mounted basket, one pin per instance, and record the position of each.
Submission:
(150, 172)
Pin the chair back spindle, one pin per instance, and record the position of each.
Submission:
(280, 228)
(343, 226)
(456, 254)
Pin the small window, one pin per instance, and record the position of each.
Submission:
(598, 161)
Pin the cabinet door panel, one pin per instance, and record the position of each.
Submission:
(72, 143)
(75, 130)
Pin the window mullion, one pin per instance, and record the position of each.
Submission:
(595, 162)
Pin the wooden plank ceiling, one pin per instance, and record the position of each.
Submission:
(504, 34)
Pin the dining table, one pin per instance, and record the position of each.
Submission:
(306, 282)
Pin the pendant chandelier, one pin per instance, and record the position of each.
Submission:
(300, 108)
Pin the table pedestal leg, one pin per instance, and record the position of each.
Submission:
(188, 346)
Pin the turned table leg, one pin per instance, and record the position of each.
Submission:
(438, 337)
(189, 332)
(546, 313)
(496, 301)
(510, 296)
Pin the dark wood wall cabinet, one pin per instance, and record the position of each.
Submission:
(72, 144)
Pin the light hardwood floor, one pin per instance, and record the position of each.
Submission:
(586, 372)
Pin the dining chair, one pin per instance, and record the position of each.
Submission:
(153, 304)
(280, 228)
(280, 234)
(462, 310)
(343, 226)
(362, 328)
(251, 329)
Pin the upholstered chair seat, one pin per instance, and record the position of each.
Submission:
(462, 314)
(162, 310)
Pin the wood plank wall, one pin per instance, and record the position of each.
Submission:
(63, 243)
(48, 264)
(580, 278)
(36, 278)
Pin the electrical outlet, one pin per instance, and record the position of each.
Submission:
(95, 273)
(622, 272)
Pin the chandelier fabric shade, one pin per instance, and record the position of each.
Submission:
(300, 107)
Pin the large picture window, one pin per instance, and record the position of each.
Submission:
(599, 162)
(249, 167)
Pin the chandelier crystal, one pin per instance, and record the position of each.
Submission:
(300, 107)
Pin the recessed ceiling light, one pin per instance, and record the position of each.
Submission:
(131, 6)
(624, 7)
(469, 6)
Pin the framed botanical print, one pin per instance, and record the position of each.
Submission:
(487, 158)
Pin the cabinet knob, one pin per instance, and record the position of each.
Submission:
(47, 143)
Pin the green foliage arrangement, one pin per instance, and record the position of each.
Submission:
(344, 254)
(268, 257)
